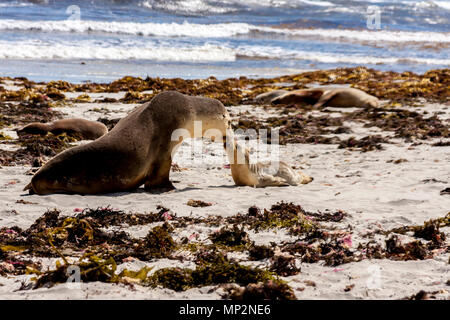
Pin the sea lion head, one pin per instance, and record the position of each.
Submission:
(213, 116)
(34, 128)
(373, 103)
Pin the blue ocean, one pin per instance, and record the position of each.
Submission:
(102, 40)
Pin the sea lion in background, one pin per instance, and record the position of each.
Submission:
(138, 150)
(87, 129)
(260, 174)
(330, 96)
(267, 97)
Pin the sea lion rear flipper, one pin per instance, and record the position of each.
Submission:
(30, 189)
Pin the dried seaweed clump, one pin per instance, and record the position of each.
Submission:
(233, 236)
(26, 112)
(214, 270)
(284, 265)
(198, 203)
(284, 215)
(35, 147)
(365, 144)
(158, 243)
(260, 252)
(106, 216)
(91, 268)
(268, 290)
(405, 124)
(50, 235)
(428, 231)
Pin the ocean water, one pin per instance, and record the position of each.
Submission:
(101, 40)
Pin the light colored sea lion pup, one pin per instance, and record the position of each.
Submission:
(330, 96)
(261, 174)
(90, 130)
(138, 150)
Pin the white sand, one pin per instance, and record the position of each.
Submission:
(375, 193)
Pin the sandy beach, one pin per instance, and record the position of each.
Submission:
(392, 183)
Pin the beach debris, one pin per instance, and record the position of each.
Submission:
(349, 287)
(88, 237)
(260, 252)
(198, 203)
(233, 236)
(34, 149)
(213, 268)
(268, 290)
(284, 265)
(368, 143)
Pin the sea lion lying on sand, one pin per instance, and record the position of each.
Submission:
(267, 97)
(330, 96)
(87, 129)
(261, 174)
(138, 150)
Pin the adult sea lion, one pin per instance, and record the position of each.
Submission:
(138, 150)
(267, 97)
(330, 96)
(87, 129)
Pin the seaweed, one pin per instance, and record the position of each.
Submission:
(212, 268)
(106, 216)
(91, 268)
(284, 265)
(26, 112)
(234, 236)
(109, 123)
(34, 148)
(198, 203)
(267, 290)
(368, 143)
(158, 243)
(260, 252)
(280, 215)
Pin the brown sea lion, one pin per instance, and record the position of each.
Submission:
(329, 96)
(87, 129)
(260, 174)
(138, 150)
(267, 97)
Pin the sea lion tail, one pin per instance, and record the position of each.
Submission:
(30, 188)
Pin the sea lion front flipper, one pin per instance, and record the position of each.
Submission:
(327, 96)
(158, 178)
(271, 181)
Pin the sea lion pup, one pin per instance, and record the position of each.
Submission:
(329, 96)
(87, 129)
(138, 150)
(260, 174)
